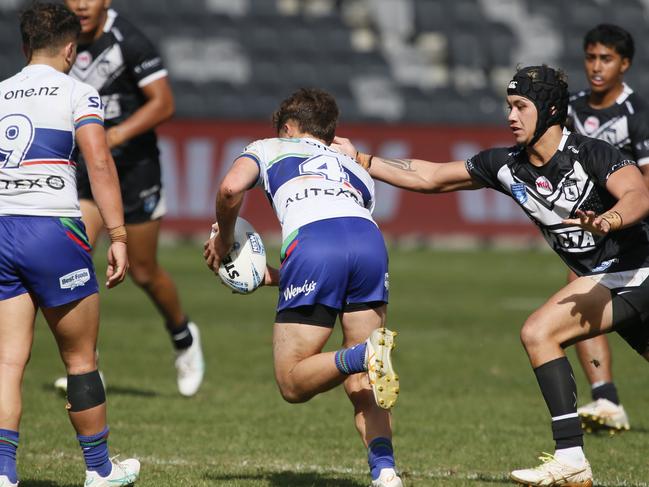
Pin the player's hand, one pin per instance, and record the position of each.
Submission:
(214, 250)
(271, 276)
(115, 137)
(344, 146)
(117, 264)
(590, 221)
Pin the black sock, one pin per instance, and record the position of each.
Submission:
(559, 389)
(181, 336)
(605, 391)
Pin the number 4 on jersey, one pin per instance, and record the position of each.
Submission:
(324, 165)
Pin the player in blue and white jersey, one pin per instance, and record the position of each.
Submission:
(334, 264)
(590, 204)
(45, 260)
(610, 110)
(122, 64)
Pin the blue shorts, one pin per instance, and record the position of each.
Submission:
(335, 263)
(48, 257)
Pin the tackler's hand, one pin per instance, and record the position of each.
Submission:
(597, 224)
(344, 146)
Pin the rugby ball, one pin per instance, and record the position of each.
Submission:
(242, 270)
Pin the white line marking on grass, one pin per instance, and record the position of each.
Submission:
(278, 467)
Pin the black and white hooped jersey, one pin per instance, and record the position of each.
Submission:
(625, 124)
(118, 65)
(574, 178)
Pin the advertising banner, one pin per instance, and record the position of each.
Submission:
(195, 155)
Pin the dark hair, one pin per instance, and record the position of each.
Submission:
(315, 111)
(48, 26)
(611, 36)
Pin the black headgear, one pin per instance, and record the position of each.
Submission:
(546, 88)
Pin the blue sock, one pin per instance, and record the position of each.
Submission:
(95, 452)
(351, 360)
(8, 446)
(379, 456)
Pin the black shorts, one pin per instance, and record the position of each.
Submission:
(141, 187)
(631, 313)
(319, 314)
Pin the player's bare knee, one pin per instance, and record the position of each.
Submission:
(291, 393)
(533, 333)
(79, 363)
(293, 396)
(142, 275)
(85, 391)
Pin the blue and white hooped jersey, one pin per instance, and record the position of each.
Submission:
(307, 182)
(40, 110)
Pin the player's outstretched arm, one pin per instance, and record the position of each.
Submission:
(104, 182)
(412, 174)
(241, 177)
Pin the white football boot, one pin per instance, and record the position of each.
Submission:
(553, 473)
(5, 482)
(190, 364)
(61, 385)
(123, 473)
(603, 414)
(383, 379)
(388, 478)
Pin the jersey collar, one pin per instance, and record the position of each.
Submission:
(626, 91)
(38, 67)
(110, 20)
(564, 138)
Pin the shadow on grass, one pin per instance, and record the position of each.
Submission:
(43, 483)
(292, 479)
(606, 434)
(129, 391)
(503, 480)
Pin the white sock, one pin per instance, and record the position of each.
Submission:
(572, 456)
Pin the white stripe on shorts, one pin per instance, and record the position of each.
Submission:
(615, 280)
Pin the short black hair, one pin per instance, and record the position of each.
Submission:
(48, 25)
(612, 36)
(315, 111)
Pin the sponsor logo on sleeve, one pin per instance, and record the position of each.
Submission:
(74, 279)
(519, 191)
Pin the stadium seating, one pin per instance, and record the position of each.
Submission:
(418, 61)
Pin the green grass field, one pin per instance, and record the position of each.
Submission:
(470, 409)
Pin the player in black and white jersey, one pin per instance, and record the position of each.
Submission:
(590, 203)
(610, 110)
(119, 61)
